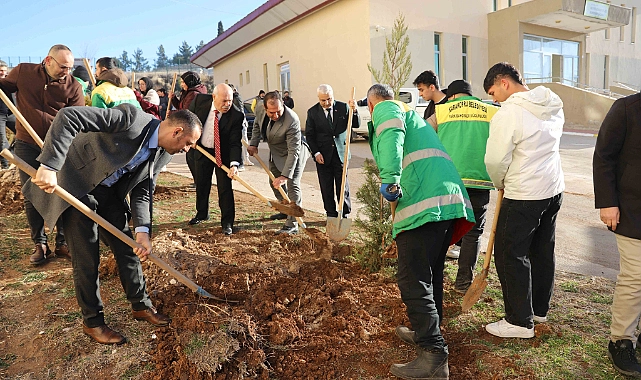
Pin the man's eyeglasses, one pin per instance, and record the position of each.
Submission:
(64, 68)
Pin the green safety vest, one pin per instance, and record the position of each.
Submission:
(463, 128)
(407, 151)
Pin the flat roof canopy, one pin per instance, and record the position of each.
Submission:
(261, 23)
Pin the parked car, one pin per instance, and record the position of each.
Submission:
(406, 95)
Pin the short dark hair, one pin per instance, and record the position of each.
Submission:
(383, 91)
(427, 78)
(187, 120)
(272, 96)
(162, 89)
(499, 71)
(261, 92)
(106, 62)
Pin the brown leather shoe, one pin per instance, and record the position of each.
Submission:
(104, 334)
(40, 254)
(152, 316)
(62, 250)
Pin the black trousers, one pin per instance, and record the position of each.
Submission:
(191, 162)
(421, 258)
(83, 236)
(28, 153)
(479, 198)
(204, 170)
(524, 257)
(329, 178)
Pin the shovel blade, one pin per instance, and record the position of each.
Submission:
(475, 291)
(291, 209)
(338, 228)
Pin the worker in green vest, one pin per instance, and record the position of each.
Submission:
(463, 126)
(433, 211)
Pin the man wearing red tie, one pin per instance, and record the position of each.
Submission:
(222, 131)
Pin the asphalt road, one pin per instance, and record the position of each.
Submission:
(583, 244)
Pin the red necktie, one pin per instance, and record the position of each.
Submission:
(219, 159)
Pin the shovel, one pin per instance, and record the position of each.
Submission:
(62, 193)
(479, 284)
(338, 228)
(292, 210)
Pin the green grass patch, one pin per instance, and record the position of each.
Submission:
(34, 277)
(7, 359)
(569, 286)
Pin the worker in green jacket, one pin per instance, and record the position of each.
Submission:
(463, 126)
(433, 211)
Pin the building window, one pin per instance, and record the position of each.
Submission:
(606, 72)
(240, 79)
(265, 77)
(247, 76)
(495, 5)
(284, 77)
(437, 55)
(538, 58)
(633, 36)
(464, 57)
(509, 3)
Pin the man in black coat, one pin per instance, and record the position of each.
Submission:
(326, 133)
(617, 174)
(100, 156)
(223, 122)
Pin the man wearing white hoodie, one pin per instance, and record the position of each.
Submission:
(522, 157)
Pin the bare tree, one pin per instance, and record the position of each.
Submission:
(397, 61)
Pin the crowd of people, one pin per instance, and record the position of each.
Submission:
(438, 169)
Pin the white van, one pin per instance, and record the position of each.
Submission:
(407, 95)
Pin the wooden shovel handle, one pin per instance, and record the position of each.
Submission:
(21, 118)
(88, 67)
(237, 178)
(133, 80)
(62, 193)
(173, 85)
(348, 138)
(490, 243)
(272, 177)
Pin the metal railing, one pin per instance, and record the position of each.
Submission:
(572, 83)
(627, 86)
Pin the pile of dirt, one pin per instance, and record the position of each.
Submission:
(11, 199)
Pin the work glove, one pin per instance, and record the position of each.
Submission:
(391, 191)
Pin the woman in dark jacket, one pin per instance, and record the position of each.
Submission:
(190, 86)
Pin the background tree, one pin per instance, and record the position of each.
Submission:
(125, 62)
(162, 60)
(139, 62)
(201, 45)
(185, 52)
(221, 30)
(397, 61)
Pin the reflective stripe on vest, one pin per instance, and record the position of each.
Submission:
(438, 201)
(478, 182)
(391, 123)
(424, 153)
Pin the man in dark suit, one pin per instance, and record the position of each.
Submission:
(326, 132)
(100, 156)
(222, 131)
(288, 154)
(617, 172)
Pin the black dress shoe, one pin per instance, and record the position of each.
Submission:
(197, 220)
(227, 230)
(278, 216)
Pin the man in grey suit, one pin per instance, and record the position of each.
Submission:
(100, 156)
(288, 153)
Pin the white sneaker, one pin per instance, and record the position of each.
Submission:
(248, 163)
(540, 319)
(163, 169)
(504, 329)
(454, 252)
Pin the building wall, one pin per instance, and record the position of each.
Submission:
(329, 46)
(423, 20)
(623, 50)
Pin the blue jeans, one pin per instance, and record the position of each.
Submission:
(421, 258)
(524, 257)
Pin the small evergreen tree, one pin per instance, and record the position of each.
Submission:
(139, 62)
(162, 60)
(221, 30)
(125, 62)
(397, 61)
(185, 52)
(201, 45)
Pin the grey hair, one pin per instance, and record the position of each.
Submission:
(56, 48)
(380, 91)
(215, 92)
(3, 63)
(325, 89)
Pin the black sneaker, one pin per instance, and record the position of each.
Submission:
(622, 355)
(278, 216)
